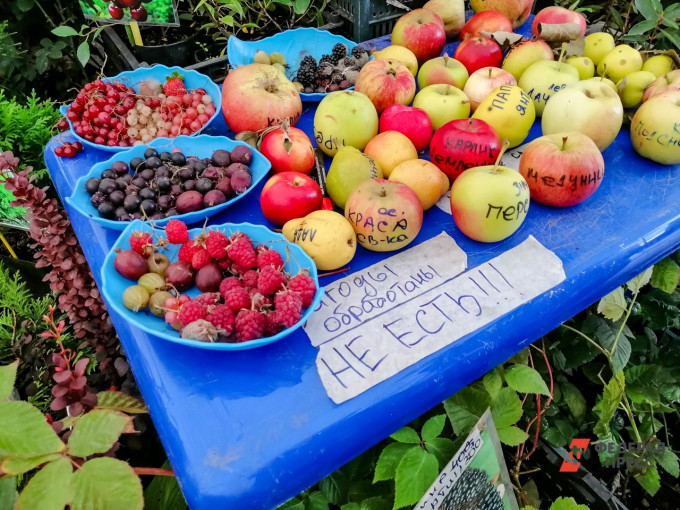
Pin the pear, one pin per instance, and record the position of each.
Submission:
(620, 62)
(632, 88)
(350, 167)
(326, 236)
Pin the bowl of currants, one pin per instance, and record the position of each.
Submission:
(189, 178)
(136, 107)
(224, 287)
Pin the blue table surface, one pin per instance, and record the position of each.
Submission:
(250, 429)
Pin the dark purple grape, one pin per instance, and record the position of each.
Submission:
(117, 197)
(203, 186)
(121, 214)
(106, 186)
(153, 162)
(92, 185)
(147, 174)
(224, 185)
(162, 171)
(176, 190)
(109, 174)
(139, 182)
(211, 173)
(178, 159)
(186, 174)
(191, 162)
(97, 199)
(200, 165)
(240, 181)
(121, 183)
(131, 190)
(106, 210)
(165, 202)
(189, 185)
(213, 197)
(127, 178)
(165, 156)
(157, 216)
(131, 203)
(221, 158)
(137, 164)
(242, 154)
(136, 215)
(150, 153)
(148, 206)
(171, 212)
(120, 167)
(163, 184)
(147, 194)
(234, 167)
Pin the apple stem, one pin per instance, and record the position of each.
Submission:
(446, 59)
(469, 123)
(564, 142)
(562, 51)
(490, 71)
(506, 144)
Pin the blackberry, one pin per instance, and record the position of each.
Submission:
(358, 51)
(339, 52)
(306, 72)
(327, 58)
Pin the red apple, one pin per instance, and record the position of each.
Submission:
(257, 96)
(288, 150)
(483, 81)
(412, 122)
(477, 52)
(462, 144)
(289, 195)
(562, 169)
(555, 15)
(386, 82)
(517, 11)
(488, 21)
(422, 32)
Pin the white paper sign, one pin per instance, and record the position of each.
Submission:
(423, 322)
(349, 302)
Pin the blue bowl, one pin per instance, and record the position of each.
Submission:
(192, 80)
(201, 146)
(294, 45)
(113, 284)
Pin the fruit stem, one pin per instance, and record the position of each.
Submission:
(562, 52)
(564, 142)
(490, 71)
(469, 123)
(495, 169)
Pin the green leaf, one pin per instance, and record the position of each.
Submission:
(567, 504)
(351, 506)
(575, 400)
(658, 8)
(163, 493)
(97, 431)
(64, 31)
(466, 407)
(415, 473)
(668, 460)
(375, 503)
(360, 466)
(642, 28)
(617, 20)
(525, 379)
(8, 375)
(672, 37)
(106, 484)
(300, 6)
(316, 501)
(25, 433)
(611, 398)
(386, 468)
(49, 489)
(25, 5)
(442, 448)
(666, 275)
(613, 305)
(670, 23)
(512, 436)
(650, 480)
(8, 492)
(433, 427)
(117, 401)
(621, 354)
(292, 504)
(604, 333)
(83, 53)
(406, 435)
(506, 408)
(334, 487)
(493, 382)
(646, 8)
(19, 465)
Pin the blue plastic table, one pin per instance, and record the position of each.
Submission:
(250, 429)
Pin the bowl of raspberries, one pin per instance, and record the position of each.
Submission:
(224, 287)
(317, 61)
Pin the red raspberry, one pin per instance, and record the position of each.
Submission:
(242, 252)
(225, 263)
(304, 285)
(216, 243)
(192, 311)
(207, 298)
(139, 241)
(238, 268)
(237, 299)
(200, 258)
(273, 325)
(269, 258)
(186, 251)
(250, 279)
(176, 231)
(270, 280)
(222, 317)
(289, 305)
(249, 325)
(259, 301)
(229, 283)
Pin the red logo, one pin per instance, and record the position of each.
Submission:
(578, 448)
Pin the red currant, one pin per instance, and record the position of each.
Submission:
(77, 146)
(59, 151)
(69, 152)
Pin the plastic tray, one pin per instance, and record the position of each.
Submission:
(192, 80)
(201, 146)
(113, 284)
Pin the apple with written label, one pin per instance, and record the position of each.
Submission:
(544, 78)
(562, 169)
(483, 81)
(443, 103)
(522, 55)
(477, 52)
(422, 32)
(386, 82)
(412, 122)
(510, 111)
(442, 70)
(655, 128)
(486, 21)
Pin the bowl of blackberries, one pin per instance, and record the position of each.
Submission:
(317, 61)
(188, 178)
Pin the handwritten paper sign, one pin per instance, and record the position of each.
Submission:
(361, 354)
(349, 302)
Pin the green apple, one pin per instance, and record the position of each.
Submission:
(489, 203)
(524, 54)
(598, 44)
(544, 78)
(350, 167)
(603, 81)
(344, 118)
(620, 62)
(442, 103)
(658, 65)
(655, 126)
(589, 107)
(442, 70)
(632, 88)
(510, 111)
(585, 66)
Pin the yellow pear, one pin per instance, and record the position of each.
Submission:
(620, 62)
(598, 44)
(659, 65)
(400, 53)
(350, 167)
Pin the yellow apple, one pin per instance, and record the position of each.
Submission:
(483, 81)
(585, 66)
(510, 111)
(442, 103)
(400, 53)
(452, 13)
(524, 54)
(658, 65)
(632, 87)
(603, 81)
(598, 44)
(344, 118)
(619, 62)
(655, 128)
(516, 11)
(442, 70)
(389, 149)
(544, 78)
(424, 178)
